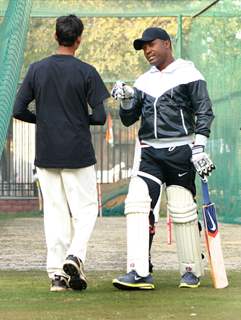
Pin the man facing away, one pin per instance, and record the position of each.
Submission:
(172, 101)
(63, 88)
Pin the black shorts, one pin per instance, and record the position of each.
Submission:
(171, 166)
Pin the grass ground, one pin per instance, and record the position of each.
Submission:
(25, 296)
(14, 215)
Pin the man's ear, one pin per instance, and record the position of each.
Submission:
(167, 44)
(55, 37)
(78, 41)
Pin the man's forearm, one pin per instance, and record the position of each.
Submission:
(98, 116)
(26, 116)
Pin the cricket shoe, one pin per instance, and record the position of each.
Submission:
(132, 281)
(59, 283)
(189, 280)
(73, 267)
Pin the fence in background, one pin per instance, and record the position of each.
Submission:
(114, 158)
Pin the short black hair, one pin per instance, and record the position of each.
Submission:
(68, 29)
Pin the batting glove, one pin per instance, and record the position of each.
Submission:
(202, 162)
(122, 91)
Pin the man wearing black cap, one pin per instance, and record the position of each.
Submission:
(172, 102)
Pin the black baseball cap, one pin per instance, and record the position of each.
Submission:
(151, 34)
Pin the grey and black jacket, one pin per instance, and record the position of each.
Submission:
(171, 103)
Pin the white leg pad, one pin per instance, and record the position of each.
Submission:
(138, 243)
(183, 210)
(137, 208)
(138, 199)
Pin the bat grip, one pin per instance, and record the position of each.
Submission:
(206, 198)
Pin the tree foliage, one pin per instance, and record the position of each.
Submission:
(106, 43)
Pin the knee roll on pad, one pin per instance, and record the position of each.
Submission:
(138, 199)
(183, 211)
(180, 204)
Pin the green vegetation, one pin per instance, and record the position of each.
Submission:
(25, 296)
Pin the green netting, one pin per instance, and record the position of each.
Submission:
(211, 38)
(52, 8)
(214, 44)
(13, 30)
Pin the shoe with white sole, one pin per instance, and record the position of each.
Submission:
(59, 283)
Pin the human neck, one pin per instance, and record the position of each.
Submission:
(167, 62)
(66, 50)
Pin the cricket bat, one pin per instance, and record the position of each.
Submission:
(213, 241)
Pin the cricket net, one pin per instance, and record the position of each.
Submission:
(13, 31)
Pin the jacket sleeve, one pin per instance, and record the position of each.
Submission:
(202, 106)
(131, 114)
(24, 96)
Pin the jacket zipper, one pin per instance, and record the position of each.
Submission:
(155, 118)
(183, 122)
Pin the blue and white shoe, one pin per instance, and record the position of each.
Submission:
(189, 280)
(132, 281)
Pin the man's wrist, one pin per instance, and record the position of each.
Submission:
(200, 140)
(126, 104)
(197, 149)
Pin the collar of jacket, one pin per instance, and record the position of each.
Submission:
(173, 66)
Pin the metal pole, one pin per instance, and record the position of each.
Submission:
(179, 38)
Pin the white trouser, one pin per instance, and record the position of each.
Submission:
(70, 212)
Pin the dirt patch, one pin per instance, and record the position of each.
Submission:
(23, 245)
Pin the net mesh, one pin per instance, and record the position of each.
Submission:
(11, 58)
(214, 44)
(209, 35)
(48, 8)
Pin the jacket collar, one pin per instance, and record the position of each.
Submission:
(172, 66)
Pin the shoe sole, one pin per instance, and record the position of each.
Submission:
(76, 283)
(71, 268)
(77, 278)
(186, 285)
(58, 289)
(131, 286)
